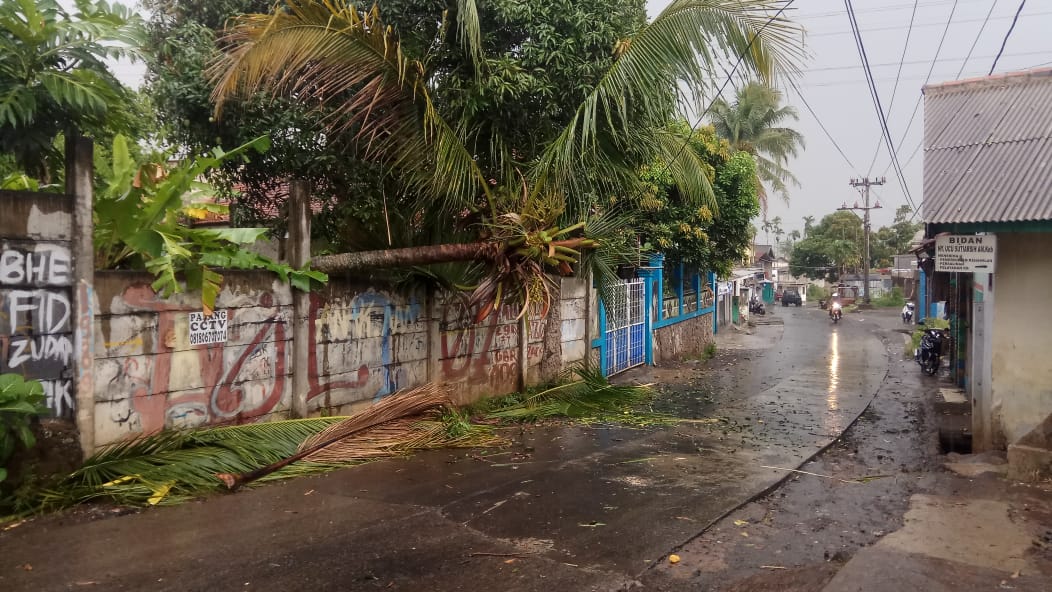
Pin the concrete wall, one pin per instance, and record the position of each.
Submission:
(684, 339)
(365, 343)
(149, 377)
(577, 296)
(1021, 375)
(36, 297)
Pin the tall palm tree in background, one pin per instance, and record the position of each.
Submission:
(556, 209)
(753, 123)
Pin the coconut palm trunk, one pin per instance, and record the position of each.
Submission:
(406, 257)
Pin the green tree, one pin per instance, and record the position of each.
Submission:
(140, 217)
(831, 247)
(529, 212)
(698, 236)
(889, 241)
(54, 79)
(754, 123)
(517, 73)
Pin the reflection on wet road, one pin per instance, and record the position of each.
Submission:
(834, 371)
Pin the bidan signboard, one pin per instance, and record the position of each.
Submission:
(965, 253)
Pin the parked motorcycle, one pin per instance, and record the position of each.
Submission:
(907, 313)
(835, 312)
(929, 354)
(756, 306)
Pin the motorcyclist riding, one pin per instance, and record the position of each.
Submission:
(835, 309)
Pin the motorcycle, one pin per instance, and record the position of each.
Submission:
(756, 306)
(907, 313)
(929, 354)
(835, 312)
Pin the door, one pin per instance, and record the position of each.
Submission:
(624, 341)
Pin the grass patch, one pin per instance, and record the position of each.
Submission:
(709, 353)
(893, 299)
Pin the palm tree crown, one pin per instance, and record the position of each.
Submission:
(752, 124)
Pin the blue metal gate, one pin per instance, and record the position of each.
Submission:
(625, 333)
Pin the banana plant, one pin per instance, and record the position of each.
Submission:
(143, 216)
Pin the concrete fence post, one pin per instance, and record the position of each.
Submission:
(79, 173)
(299, 255)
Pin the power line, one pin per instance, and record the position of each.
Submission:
(1007, 35)
(897, 27)
(918, 62)
(894, 7)
(927, 79)
(895, 89)
(993, 5)
(875, 95)
(792, 83)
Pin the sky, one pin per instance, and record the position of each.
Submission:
(833, 83)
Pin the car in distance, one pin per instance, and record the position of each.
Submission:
(791, 296)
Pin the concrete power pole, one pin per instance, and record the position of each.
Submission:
(865, 184)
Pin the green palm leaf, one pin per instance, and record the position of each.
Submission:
(677, 49)
(350, 64)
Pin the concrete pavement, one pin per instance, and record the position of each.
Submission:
(565, 508)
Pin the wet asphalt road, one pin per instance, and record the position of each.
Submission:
(565, 508)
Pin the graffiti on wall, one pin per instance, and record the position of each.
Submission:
(485, 354)
(155, 379)
(152, 376)
(36, 338)
(364, 347)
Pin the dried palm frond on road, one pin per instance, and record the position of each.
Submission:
(172, 466)
(359, 437)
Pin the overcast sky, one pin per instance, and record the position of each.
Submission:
(834, 84)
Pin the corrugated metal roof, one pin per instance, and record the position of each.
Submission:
(988, 149)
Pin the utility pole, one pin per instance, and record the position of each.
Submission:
(865, 184)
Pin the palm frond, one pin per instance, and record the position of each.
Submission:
(588, 395)
(349, 65)
(172, 466)
(691, 174)
(470, 31)
(679, 47)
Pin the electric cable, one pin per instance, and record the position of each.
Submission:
(1007, 35)
(792, 83)
(875, 95)
(993, 5)
(895, 88)
(927, 79)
